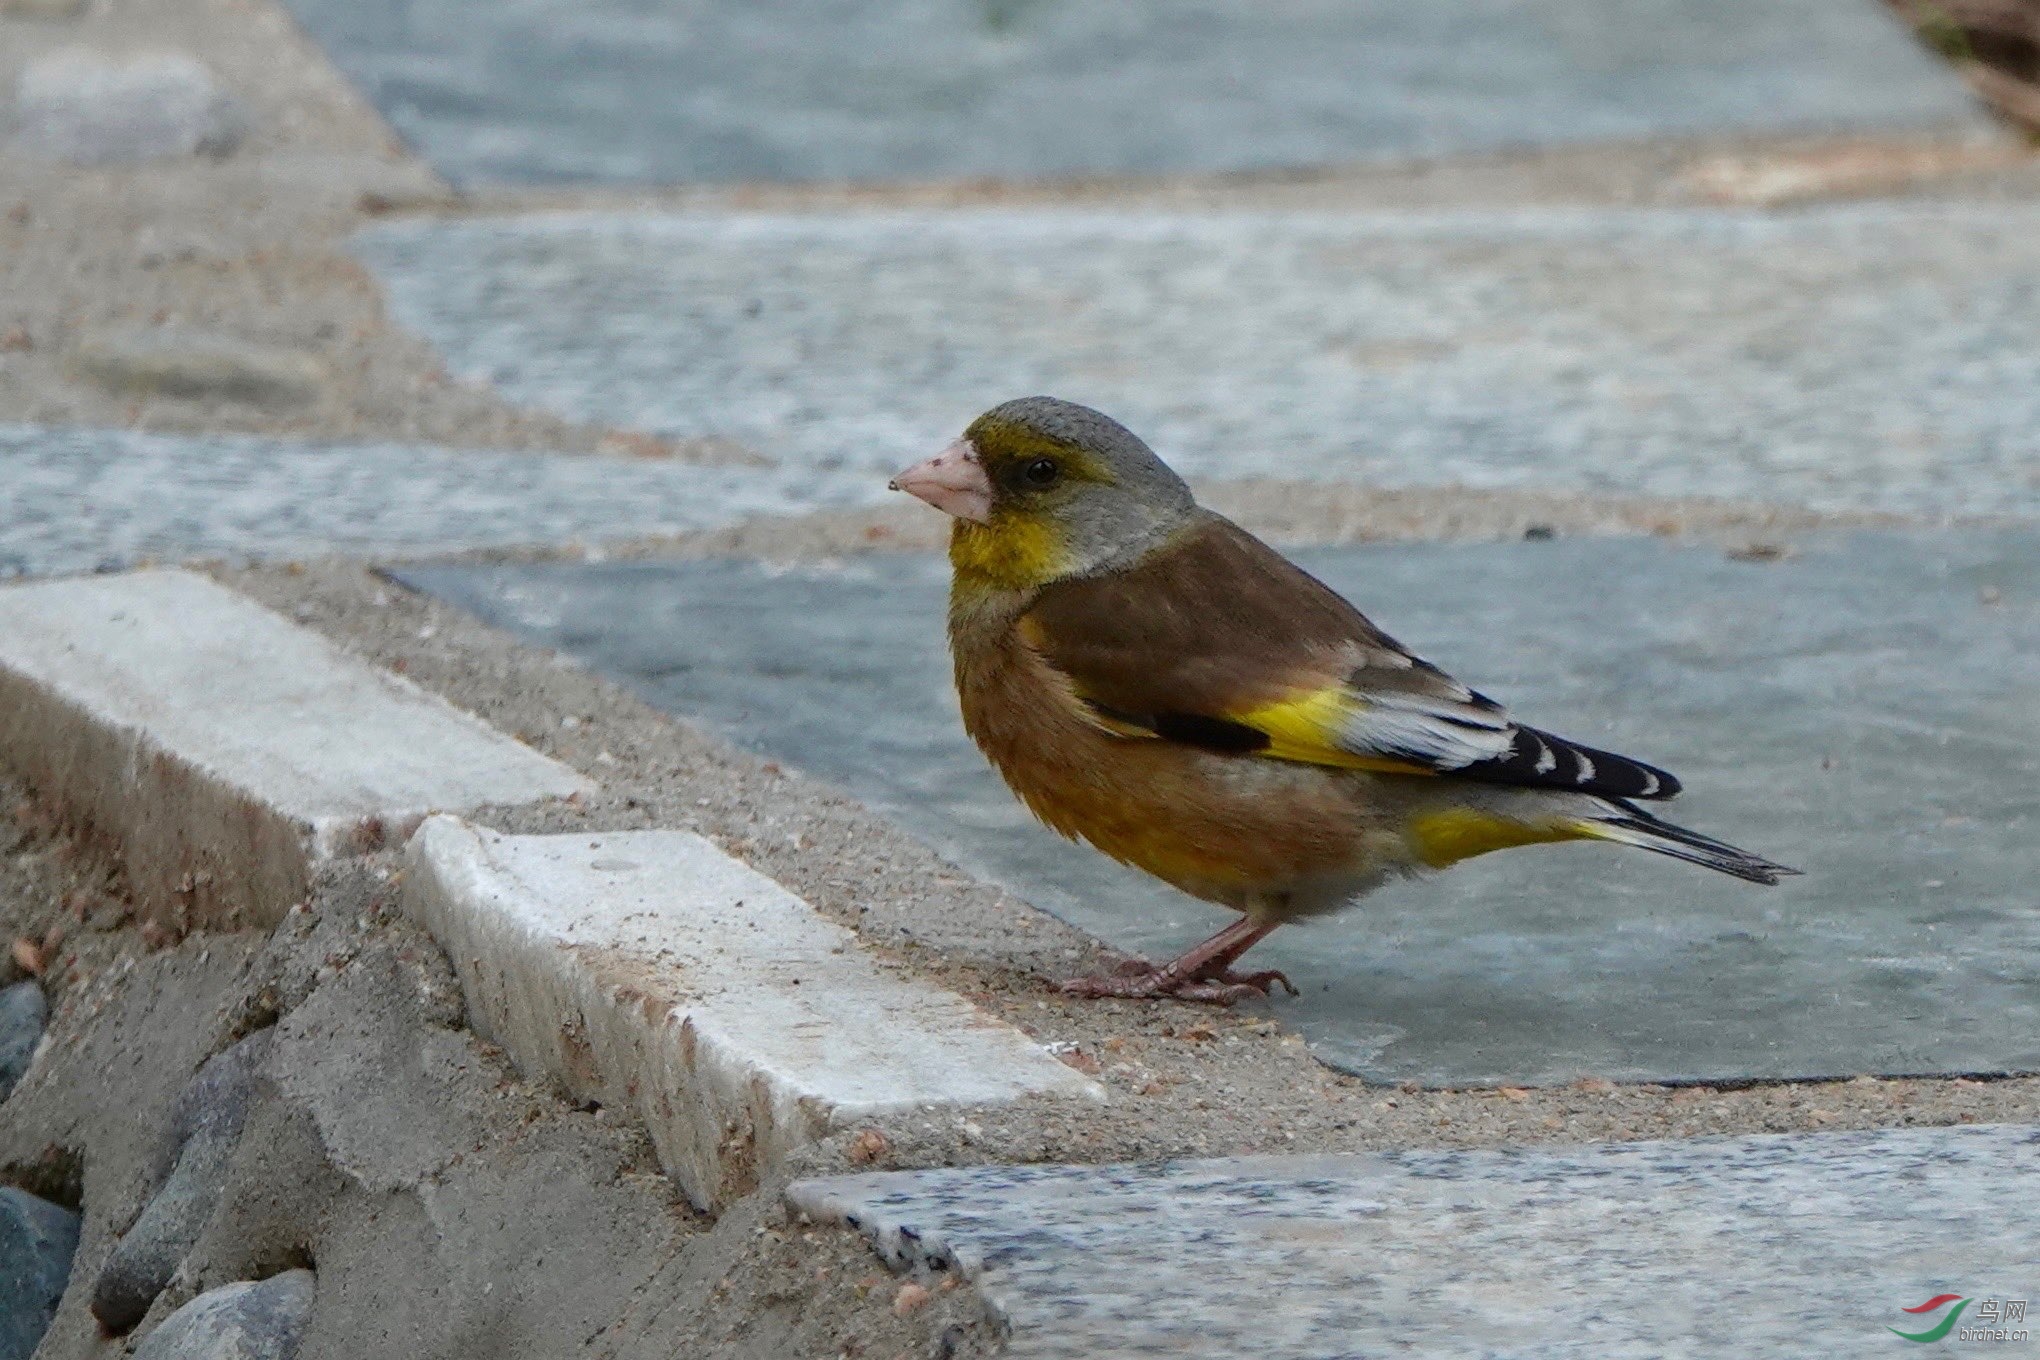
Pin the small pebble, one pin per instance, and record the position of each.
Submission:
(206, 1124)
(245, 1321)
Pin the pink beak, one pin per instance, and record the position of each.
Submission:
(953, 481)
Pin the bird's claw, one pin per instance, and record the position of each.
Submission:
(1136, 979)
(1265, 981)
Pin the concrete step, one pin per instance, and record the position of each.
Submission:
(1877, 356)
(1766, 1245)
(652, 972)
(80, 500)
(1863, 707)
(610, 90)
(221, 750)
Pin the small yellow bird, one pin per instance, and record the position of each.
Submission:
(1152, 679)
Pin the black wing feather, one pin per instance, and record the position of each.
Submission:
(1540, 760)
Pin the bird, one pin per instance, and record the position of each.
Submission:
(1153, 680)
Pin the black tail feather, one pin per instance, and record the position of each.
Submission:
(1636, 827)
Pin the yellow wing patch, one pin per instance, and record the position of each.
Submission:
(1446, 837)
(1305, 729)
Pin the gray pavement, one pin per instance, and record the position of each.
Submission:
(81, 500)
(1878, 356)
(628, 90)
(1767, 1245)
(1864, 710)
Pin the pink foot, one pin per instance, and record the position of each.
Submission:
(1139, 980)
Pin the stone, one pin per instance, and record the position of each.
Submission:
(197, 366)
(1627, 1251)
(204, 1128)
(225, 751)
(93, 108)
(1865, 708)
(1705, 352)
(81, 500)
(651, 972)
(22, 1015)
(608, 90)
(244, 1321)
(37, 1239)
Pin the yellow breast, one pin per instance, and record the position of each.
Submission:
(1227, 829)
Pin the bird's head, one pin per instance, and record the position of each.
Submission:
(1042, 490)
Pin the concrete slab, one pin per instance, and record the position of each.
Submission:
(80, 500)
(617, 90)
(221, 750)
(1767, 1245)
(652, 972)
(1882, 356)
(1867, 709)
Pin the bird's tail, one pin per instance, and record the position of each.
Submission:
(1629, 825)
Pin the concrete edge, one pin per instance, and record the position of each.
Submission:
(608, 1026)
(192, 847)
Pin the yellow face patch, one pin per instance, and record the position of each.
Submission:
(1001, 442)
(1442, 838)
(1302, 729)
(1015, 550)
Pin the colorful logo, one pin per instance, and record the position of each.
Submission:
(1941, 1328)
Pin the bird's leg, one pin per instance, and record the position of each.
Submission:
(1202, 973)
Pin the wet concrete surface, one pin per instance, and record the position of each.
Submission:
(651, 92)
(1864, 357)
(1713, 1246)
(83, 500)
(1863, 709)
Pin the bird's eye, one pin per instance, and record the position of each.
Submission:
(1041, 472)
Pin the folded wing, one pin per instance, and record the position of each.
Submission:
(1218, 642)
